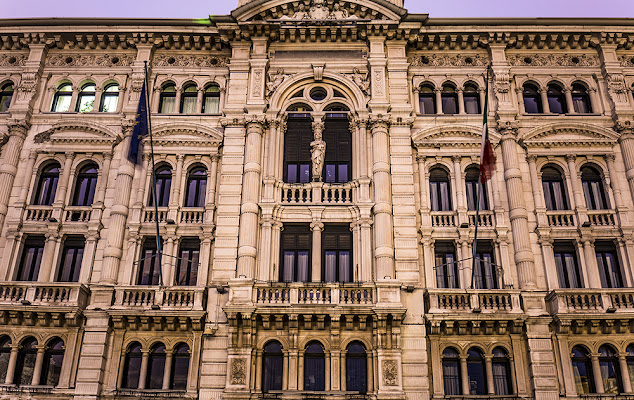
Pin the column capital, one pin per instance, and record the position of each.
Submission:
(379, 121)
(108, 155)
(456, 158)
(316, 226)
(421, 158)
(531, 158)
(610, 157)
(70, 155)
(571, 158)
(18, 127)
(180, 157)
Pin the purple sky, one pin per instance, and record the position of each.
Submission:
(202, 8)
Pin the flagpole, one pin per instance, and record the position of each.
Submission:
(154, 196)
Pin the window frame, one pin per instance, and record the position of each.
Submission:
(444, 280)
(476, 360)
(207, 94)
(489, 277)
(109, 94)
(333, 141)
(77, 243)
(579, 94)
(304, 136)
(163, 186)
(342, 234)
(593, 186)
(35, 263)
(556, 98)
(153, 269)
(47, 183)
(531, 92)
(130, 355)
(583, 359)
(23, 353)
(84, 93)
(315, 366)
(62, 94)
(273, 373)
(91, 178)
(52, 351)
(164, 95)
(565, 252)
(449, 97)
(359, 358)
(604, 250)
(191, 245)
(471, 94)
(187, 97)
(549, 187)
(449, 381)
(437, 194)
(427, 93)
(472, 177)
(504, 362)
(200, 189)
(296, 231)
(6, 96)
(156, 360)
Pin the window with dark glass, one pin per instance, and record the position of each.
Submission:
(449, 98)
(25, 367)
(86, 185)
(296, 252)
(272, 366)
(167, 101)
(187, 264)
(338, 160)
(427, 99)
(475, 371)
(439, 189)
(211, 100)
(582, 370)
(188, 99)
(86, 98)
(180, 367)
(52, 366)
(5, 354)
(314, 367)
(196, 187)
(451, 372)
(556, 99)
(72, 256)
(608, 264)
(446, 265)
(593, 189)
(356, 368)
(485, 273)
(554, 192)
(297, 161)
(472, 176)
(502, 383)
(581, 99)
(629, 359)
(337, 253)
(567, 265)
(110, 98)
(471, 99)
(156, 367)
(163, 187)
(149, 268)
(62, 98)
(132, 366)
(47, 185)
(6, 94)
(532, 100)
(610, 371)
(31, 259)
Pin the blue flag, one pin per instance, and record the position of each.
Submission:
(140, 128)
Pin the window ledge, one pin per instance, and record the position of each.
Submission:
(151, 393)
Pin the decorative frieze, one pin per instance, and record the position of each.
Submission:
(448, 60)
(390, 373)
(238, 371)
(181, 60)
(97, 60)
(12, 60)
(627, 60)
(553, 60)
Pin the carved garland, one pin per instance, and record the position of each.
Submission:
(238, 371)
(627, 61)
(165, 60)
(447, 60)
(390, 373)
(553, 60)
(12, 60)
(101, 60)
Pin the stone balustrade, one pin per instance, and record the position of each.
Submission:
(174, 298)
(77, 214)
(473, 300)
(311, 293)
(151, 214)
(602, 217)
(317, 193)
(486, 218)
(44, 294)
(590, 300)
(38, 213)
(443, 219)
(561, 218)
(191, 215)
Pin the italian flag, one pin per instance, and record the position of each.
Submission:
(487, 156)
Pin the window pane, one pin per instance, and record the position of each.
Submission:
(62, 103)
(330, 266)
(304, 173)
(356, 373)
(302, 266)
(344, 267)
(272, 372)
(189, 105)
(109, 103)
(314, 376)
(291, 173)
(501, 379)
(449, 105)
(475, 371)
(342, 171)
(212, 105)
(330, 173)
(531, 105)
(289, 265)
(4, 363)
(167, 105)
(86, 103)
(472, 105)
(427, 105)
(180, 369)
(156, 368)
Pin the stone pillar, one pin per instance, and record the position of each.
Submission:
(463, 375)
(520, 100)
(97, 103)
(627, 149)
(575, 181)
(300, 371)
(177, 101)
(39, 361)
(13, 360)
(383, 230)
(64, 182)
(459, 190)
(439, 109)
(144, 364)
(366, 250)
(625, 374)
(488, 365)
(9, 159)
(175, 196)
(266, 261)
(104, 174)
(538, 196)
(26, 180)
(595, 101)
(250, 197)
(569, 105)
(615, 181)
(461, 109)
(85, 274)
(545, 105)
(316, 227)
(596, 371)
(167, 372)
(167, 267)
(592, 270)
(48, 255)
(517, 212)
(258, 370)
(327, 369)
(199, 100)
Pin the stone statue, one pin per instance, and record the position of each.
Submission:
(361, 80)
(318, 150)
(338, 12)
(319, 10)
(275, 80)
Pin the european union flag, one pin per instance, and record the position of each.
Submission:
(140, 128)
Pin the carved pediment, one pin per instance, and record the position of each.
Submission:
(79, 132)
(570, 134)
(469, 136)
(186, 134)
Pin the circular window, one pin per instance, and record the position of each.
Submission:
(318, 93)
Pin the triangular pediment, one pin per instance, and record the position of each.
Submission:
(78, 133)
(186, 134)
(456, 135)
(570, 134)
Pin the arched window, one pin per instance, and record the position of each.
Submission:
(582, 370)
(449, 98)
(62, 98)
(471, 99)
(5, 354)
(297, 157)
(475, 371)
(85, 185)
(314, 367)
(132, 366)
(180, 367)
(356, 368)
(427, 99)
(86, 99)
(472, 176)
(272, 366)
(187, 264)
(47, 185)
(532, 99)
(211, 100)
(553, 185)
(110, 98)
(610, 371)
(451, 372)
(6, 94)
(167, 100)
(26, 362)
(196, 187)
(439, 189)
(502, 383)
(156, 367)
(338, 159)
(556, 99)
(630, 362)
(52, 367)
(163, 186)
(581, 99)
(593, 189)
(188, 99)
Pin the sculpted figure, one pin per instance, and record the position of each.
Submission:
(301, 12)
(275, 80)
(319, 10)
(318, 150)
(361, 80)
(338, 12)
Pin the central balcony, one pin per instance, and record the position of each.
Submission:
(317, 193)
(298, 294)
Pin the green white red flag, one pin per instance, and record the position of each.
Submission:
(487, 155)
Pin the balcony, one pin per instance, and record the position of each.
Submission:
(39, 213)
(443, 301)
(298, 294)
(151, 215)
(317, 193)
(44, 294)
(561, 218)
(193, 215)
(486, 218)
(443, 219)
(602, 217)
(152, 297)
(77, 214)
(590, 301)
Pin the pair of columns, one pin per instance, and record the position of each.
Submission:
(13, 359)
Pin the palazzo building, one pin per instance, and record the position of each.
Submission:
(316, 165)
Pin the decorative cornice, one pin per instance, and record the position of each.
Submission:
(13, 59)
(80, 60)
(554, 60)
(570, 134)
(449, 60)
(186, 134)
(182, 60)
(99, 134)
(627, 60)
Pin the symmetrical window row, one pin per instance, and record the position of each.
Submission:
(487, 275)
(567, 264)
(555, 99)
(190, 99)
(69, 263)
(158, 368)
(591, 180)
(468, 375)
(187, 262)
(195, 191)
(20, 365)
(601, 373)
(84, 189)
(86, 98)
(440, 189)
(449, 99)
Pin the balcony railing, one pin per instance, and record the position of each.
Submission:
(77, 214)
(45, 294)
(39, 213)
(590, 300)
(473, 300)
(174, 298)
(602, 217)
(192, 215)
(485, 397)
(606, 396)
(561, 218)
(485, 218)
(443, 219)
(309, 294)
(317, 193)
(151, 215)
(149, 393)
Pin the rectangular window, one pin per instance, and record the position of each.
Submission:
(567, 265)
(472, 188)
(72, 256)
(188, 261)
(608, 264)
(446, 266)
(168, 105)
(337, 253)
(338, 140)
(531, 105)
(295, 253)
(471, 104)
(485, 274)
(188, 105)
(31, 259)
(297, 160)
(211, 105)
(427, 105)
(149, 267)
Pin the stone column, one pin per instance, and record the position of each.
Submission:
(64, 182)
(300, 371)
(167, 372)
(177, 101)
(615, 181)
(265, 247)
(210, 196)
(459, 190)
(327, 371)
(26, 180)
(383, 230)
(439, 109)
(250, 198)
(625, 374)
(39, 361)
(48, 255)
(370, 368)
(518, 216)
(258, 370)
(92, 237)
(463, 375)
(144, 364)
(596, 371)
(575, 181)
(366, 250)
(627, 149)
(545, 105)
(175, 196)
(199, 100)
(104, 174)
(592, 269)
(97, 103)
(343, 382)
(276, 233)
(166, 268)
(488, 365)
(538, 196)
(9, 159)
(13, 360)
(461, 109)
(569, 105)
(595, 102)
(316, 227)
(520, 100)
